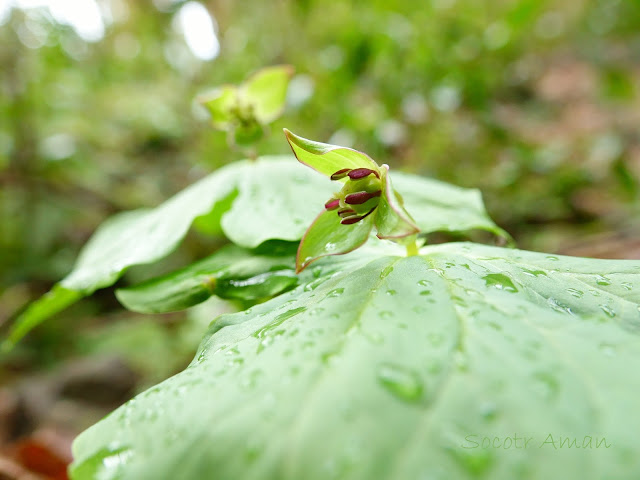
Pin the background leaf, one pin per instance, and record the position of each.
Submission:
(438, 206)
(232, 272)
(384, 367)
(277, 198)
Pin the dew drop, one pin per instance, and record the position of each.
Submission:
(434, 368)
(488, 411)
(253, 451)
(534, 273)
(545, 384)
(424, 283)
(607, 349)
(386, 271)
(460, 361)
(626, 286)
(402, 382)
(391, 292)
(336, 292)
(385, 314)
(559, 307)
(552, 258)
(500, 281)
(376, 338)
(425, 292)
(476, 462)
(608, 310)
(576, 293)
(602, 280)
(495, 325)
(236, 362)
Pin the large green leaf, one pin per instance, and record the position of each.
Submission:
(381, 366)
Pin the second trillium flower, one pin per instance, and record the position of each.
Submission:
(366, 201)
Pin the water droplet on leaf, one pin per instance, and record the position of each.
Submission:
(500, 281)
(402, 382)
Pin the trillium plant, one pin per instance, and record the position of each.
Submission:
(366, 201)
(387, 358)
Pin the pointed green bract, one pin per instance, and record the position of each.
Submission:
(327, 159)
(385, 367)
(326, 236)
(232, 273)
(266, 92)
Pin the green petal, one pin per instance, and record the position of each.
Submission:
(327, 159)
(219, 102)
(392, 220)
(326, 236)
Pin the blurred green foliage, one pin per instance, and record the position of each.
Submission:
(533, 101)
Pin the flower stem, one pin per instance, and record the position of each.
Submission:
(411, 245)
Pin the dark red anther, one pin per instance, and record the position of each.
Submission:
(358, 173)
(360, 197)
(340, 174)
(332, 204)
(350, 220)
(356, 219)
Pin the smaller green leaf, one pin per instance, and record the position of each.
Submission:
(326, 236)
(232, 273)
(391, 218)
(327, 159)
(266, 92)
(221, 102)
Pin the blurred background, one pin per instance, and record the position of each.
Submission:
(535, 102)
